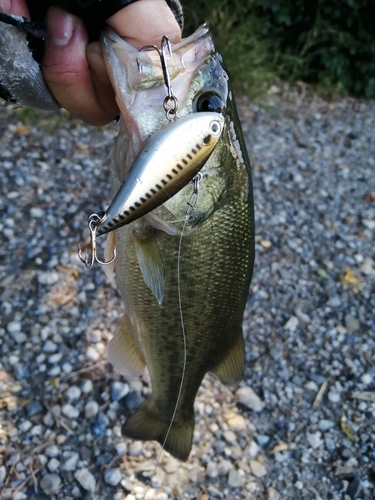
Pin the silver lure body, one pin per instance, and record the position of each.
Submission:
(169, 160)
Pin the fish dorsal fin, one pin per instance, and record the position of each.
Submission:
(123, 351)
(150, 261)
(230, 369)
(109, 252)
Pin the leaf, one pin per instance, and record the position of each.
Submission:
(322, 273)
(350, 278)
(346, 428)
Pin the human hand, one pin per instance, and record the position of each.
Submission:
(74, 69)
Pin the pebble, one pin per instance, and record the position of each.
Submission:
(25, 426)
(52, 451)
(113, 476)
(18, 495)
(20, 337)
(234, 479)
(3, 474)
(314, 439)
(292, 324)
(91, 409)
(214, 492)
(324, 425)
(92, 354)
(48, 420)
(100, 425)
(73, 393)
(334, 396)
(53, 465)
(351, 323)
(272, 494)
(14, 327)
(70, 411)
(235, 422)
(262, 439)
(48, 277)
(33, 408)
(230, 436)
(161, 496)
(367, 379)
(70, 461)
(257, 469)
(135, 448)
(50, 484)
(119, 390)
(212, 470)
(49, 346)
(247, 397)
(121, 447)
(54, 358)
(85, 479)
(87, 386)
(133, 400)
(224, 467)
(253, 450)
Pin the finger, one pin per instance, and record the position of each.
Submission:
(66, 70)
(14, 8)
(102, 84)
(145, 22)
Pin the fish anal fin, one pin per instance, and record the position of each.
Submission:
(109, 252)
(230, 369)
(146, 425)
(123, 351)
(150, 261)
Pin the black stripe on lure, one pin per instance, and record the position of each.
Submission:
(169, 160)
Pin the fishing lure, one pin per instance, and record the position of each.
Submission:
(169, 160)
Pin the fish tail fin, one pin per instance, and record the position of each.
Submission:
(146, 425)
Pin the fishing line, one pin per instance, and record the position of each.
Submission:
(191, 207)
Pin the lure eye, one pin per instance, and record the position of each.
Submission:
(210, 101)
(215, 128)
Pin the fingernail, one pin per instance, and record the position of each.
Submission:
(61, 26)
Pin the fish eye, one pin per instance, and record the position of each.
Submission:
(210, 101)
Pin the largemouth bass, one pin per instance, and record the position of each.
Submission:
(184, 279)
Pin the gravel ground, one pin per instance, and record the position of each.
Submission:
(302, 423)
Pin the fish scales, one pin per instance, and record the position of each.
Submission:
(216, 259)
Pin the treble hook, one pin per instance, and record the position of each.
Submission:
(94, 222)
(170, 103)
(192, 203)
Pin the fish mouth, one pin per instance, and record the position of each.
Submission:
(137, 76)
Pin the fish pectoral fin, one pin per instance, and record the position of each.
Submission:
(146, 425)
(123, 351)
(109, 252)
(150, 261)
(230, 369)
(158, 223)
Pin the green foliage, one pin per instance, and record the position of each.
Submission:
(27, 115)
(319, 41)
(238, 37)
